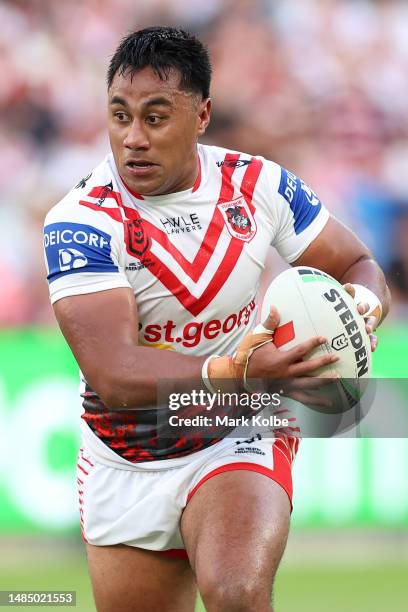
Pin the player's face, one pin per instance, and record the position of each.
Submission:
(153, 131)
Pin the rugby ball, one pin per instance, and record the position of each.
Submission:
(312, 303)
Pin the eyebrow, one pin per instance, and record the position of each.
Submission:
(118, 100)
(158, 101)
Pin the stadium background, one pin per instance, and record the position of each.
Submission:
(319, 86)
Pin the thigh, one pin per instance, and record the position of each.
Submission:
(235, 529)
(129, 579)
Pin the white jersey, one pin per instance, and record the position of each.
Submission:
(193, 259)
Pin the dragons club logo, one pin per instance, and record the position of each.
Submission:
(238, 219)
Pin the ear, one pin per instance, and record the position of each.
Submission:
(204, 113)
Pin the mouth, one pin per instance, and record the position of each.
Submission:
(139, 167)
(139, 164)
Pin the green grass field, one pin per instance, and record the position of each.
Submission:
(299, 588)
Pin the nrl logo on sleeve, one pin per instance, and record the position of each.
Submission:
(238, 219)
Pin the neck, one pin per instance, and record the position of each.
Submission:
(192, 177)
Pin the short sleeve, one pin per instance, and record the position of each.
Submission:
(301, 216)
(82, 253)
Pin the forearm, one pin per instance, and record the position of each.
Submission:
(133, 380)
(101, 330)
(367, 272)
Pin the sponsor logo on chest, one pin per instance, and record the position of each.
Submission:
(181, 224)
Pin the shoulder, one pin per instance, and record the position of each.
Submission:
(275, 180)
(223, 158)
(93, 195)
(78, 220)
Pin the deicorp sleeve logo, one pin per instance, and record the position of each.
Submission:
(303, 202)
(73, 247)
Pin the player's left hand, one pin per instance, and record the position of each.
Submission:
(371, 321)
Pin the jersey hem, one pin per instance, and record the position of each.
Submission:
(105, 455)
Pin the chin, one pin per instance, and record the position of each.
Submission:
(148, 189)
(147, 186)
(143, 187)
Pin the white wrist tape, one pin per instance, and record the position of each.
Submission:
(230, 370)
(204, 374)
(366, 296)
(261, 329)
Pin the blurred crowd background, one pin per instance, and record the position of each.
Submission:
(319, 86)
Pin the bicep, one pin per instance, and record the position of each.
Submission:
(334, 250)
(99, 327)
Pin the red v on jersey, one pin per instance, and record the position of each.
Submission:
(169, 279)
(194, 269)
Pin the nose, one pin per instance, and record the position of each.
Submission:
(136, 138)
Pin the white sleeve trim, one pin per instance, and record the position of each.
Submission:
(108, 281)
(312, 232)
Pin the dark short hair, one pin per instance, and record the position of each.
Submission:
(164, 48)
